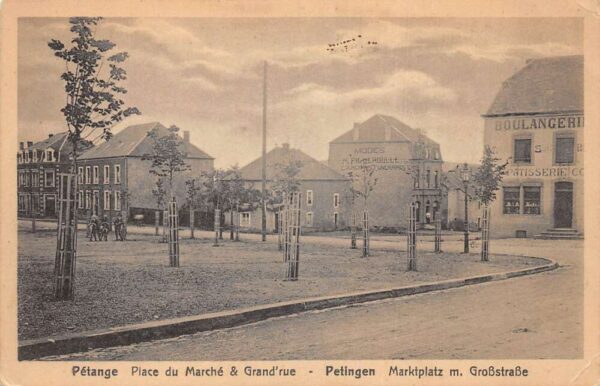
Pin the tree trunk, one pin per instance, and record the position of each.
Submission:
(231, 235)
(192, 225)
(156, 221)
(237, 223)
(365, 251)
(353, 231)
(485, 234)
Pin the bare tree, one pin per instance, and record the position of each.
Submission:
(364, 179)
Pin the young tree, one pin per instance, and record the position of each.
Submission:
(93, 102)
(364, 179)
(193, 188)
(159, 194)
(487, 180)
(168, 156)
(285, 182)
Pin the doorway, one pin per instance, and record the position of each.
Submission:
(563, 205)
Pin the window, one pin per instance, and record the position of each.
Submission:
(80, 199)
(436, 179)
(80, 175)
(96, 201)
(96, 178)
(309, 219)
(19, 158)
(35, 156)
(428, 178)
(417, 178)
(531, 199)
(309, 197)
(107, 200)
(49, 155)
(336, 200)
(26, 157)
(117, 200)
(245, 219)
(88, 199)
(21, 202)
(564, 150)
(88, 175)
(106, 175)
(336, 219)
(49, 178)
(26, 177)
(523, 150)
(117, 174)
(35, 179)
(512, 201)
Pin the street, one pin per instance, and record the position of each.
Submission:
(532, 317)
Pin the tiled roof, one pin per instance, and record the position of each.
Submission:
(133, 141)
(311, 168)
(553, 84)
(55, 142)
(374, 129)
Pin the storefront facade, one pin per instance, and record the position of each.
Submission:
(536, 123)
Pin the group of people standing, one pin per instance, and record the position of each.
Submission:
(98, 229)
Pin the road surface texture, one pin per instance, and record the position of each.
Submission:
(532, 317)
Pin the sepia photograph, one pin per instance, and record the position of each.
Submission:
(236, 194)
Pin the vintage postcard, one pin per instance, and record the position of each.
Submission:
(263, 192)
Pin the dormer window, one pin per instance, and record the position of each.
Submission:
(49, 155)
(26, 157)
(35, 156)
(19, 158)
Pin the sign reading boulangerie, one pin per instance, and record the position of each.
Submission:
(534, 123)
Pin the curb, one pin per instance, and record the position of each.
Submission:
(169, 328)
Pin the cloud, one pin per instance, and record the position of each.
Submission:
(503, 52)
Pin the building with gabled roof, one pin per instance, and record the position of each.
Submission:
(536, 123)
(38, 166)
(324, 192)
(408, 168)
(113, 177)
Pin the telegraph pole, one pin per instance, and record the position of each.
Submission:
(264, 157)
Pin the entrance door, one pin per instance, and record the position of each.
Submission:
(50, 206)
(563, 205)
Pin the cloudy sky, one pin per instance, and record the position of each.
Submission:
(205, 76)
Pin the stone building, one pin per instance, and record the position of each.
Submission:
(112, 177)
(323, 191)
(536, 122)
(408, 169)
(38, 166)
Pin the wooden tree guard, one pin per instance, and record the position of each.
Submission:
(192, 219)
(156, 221)
(292, 245)
(411, 253)
(165, 225)
(237, 222)
(438, 235)
(281, 242)
(217, 226)
(485, 234)
(365, 249)
(173, 234)
(66, 245)
(353, 231)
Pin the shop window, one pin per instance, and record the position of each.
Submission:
(522, 150)
(564, 150)
(512, 202)
(309, 219)
(336, 200)
(309, 197)
(531, 199)
(245, 219)
(106, 175)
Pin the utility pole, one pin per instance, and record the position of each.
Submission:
(264, 157)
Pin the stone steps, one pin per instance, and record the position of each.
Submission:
(560, 234)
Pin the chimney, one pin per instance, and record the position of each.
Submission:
(29, 144)
(21, 146)
(50, 135)
(285, 145)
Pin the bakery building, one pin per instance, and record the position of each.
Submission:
(324, 192)
(113, 178)
(408, 169)
(536, 122)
